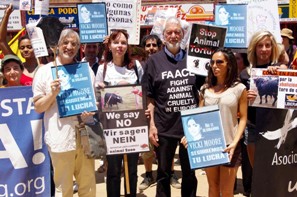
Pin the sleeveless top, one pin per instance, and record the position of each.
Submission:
(228, 104)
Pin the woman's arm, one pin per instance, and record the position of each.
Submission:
(3, 31)
(243, 105)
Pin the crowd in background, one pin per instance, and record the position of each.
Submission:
(116, 63)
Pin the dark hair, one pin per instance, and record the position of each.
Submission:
(138, 51)
(107, 53)
(12, 60)
(245, 60)
(231, 77)
(151, 37)
(24, 37)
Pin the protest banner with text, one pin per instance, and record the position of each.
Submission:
(24, 160)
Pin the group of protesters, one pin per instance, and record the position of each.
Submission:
(226, 85)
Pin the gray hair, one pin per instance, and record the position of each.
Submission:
(67, 33)
(173, 20)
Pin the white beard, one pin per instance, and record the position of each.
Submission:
(174, 47)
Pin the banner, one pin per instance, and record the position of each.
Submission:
(274, 172)
(124, 14)
(293, 9)
(124, 122)
(205, 136)
(67, 15)
(274, 91)
(24, 160)
(185, 12)
(92, 22)
(77, 91)
(204, 39)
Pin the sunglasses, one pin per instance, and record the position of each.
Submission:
(150, 44)
(217, 62)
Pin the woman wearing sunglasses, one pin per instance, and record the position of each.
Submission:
(222, 88)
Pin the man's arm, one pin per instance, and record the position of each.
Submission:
(3, 31)
(152, 127)
(43, 103)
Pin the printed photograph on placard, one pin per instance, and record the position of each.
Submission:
(77, 92)
(205, 135)
(92, 22)
(124, 121)
(274, 91)
(122, 98)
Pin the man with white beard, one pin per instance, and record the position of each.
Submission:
(170, 88)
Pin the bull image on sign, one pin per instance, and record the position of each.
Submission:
(117, 99)
(274, 90)
(124, 122)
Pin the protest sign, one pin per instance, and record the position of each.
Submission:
(124, 14)
(37, 40)
(15, 4)
(92, 22)
(204, 39)
(124, 122)
(77, 91)
(205, 136)
(41, 7)
(276, 155)
(234, 18)
(274, 91)
(24, 160)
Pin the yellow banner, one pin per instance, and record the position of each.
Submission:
(293, 9)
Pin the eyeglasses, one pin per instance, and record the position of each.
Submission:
(151, 44)
(217, 62)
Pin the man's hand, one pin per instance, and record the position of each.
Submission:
(154, 136)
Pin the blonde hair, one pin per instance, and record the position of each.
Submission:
(256, 38)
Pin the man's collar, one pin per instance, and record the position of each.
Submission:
(85, 60)
(178, 57)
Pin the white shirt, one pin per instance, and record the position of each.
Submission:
(116, 74)
(59, 132)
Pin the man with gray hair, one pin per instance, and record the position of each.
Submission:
(167, 81)
(61, 137)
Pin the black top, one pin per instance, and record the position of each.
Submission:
(173, 89)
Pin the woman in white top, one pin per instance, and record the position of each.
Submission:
(119, 69)
(222, 88)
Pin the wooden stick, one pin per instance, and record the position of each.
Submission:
(54, 49)
(126, 174)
